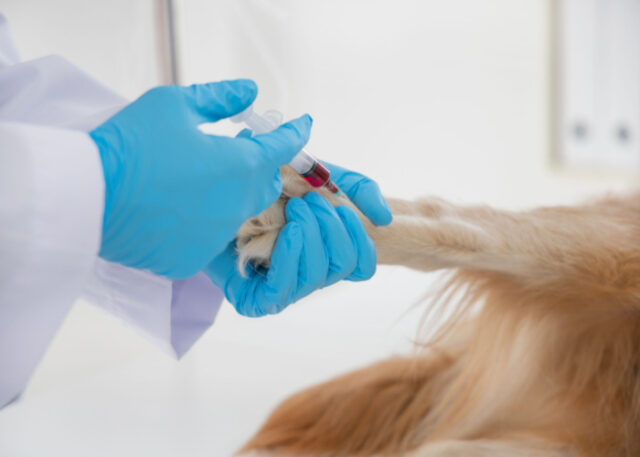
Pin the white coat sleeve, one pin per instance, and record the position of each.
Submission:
(171, 314)
(51, 206)
(50, 91)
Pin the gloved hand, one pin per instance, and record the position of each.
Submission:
(318, 246)
(175, 197)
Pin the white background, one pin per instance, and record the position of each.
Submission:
(428, 97)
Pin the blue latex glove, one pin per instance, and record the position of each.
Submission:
(318, 246)
(175, 197)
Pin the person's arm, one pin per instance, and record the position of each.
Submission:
(51, 204)
(51, 92)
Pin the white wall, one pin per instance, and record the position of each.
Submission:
(450, 98)
(114, 41)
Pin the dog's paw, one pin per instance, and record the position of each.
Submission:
(257, 236)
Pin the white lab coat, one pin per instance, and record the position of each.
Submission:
(51, 209)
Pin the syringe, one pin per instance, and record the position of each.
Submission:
(308, 167)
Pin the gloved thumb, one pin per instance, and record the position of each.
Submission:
(214, 101)
(363, 192)
(282, 144)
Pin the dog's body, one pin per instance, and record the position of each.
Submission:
(540, 358)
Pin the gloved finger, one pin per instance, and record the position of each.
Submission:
(313, 265)
(340, 248)
(363, 192)
(256, 293)
(277, 290)
(219, 100)
(366, 250)
(244, 133)
(238, 289)
(282, 144)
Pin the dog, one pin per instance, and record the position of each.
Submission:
(540, 357)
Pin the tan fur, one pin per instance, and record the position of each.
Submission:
(541, 358)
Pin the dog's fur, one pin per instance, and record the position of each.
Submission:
(540, 358)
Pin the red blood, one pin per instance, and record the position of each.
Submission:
(318, 176)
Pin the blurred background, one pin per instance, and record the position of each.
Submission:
(512, 103)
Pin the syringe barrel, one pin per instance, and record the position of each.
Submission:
(311, 169)
(303, 162)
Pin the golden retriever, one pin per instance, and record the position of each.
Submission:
(541, 356)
